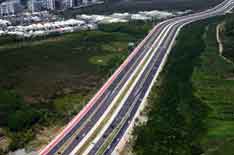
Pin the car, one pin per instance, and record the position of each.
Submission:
(112, 126)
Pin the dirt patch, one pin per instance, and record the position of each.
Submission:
(4, 143)
(45, 135)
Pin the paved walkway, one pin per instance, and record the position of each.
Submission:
(218, 32)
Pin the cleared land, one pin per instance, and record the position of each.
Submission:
(191, 111)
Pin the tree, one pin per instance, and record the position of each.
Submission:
(23, 119)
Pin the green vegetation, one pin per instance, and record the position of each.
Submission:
(190, 110)
(213, 81)
(228, 37)
(48, 80)
(175, 111)
(14, 113)
(18, 117)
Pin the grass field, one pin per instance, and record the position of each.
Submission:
(42, 69)
(214, 84)
(56, 76)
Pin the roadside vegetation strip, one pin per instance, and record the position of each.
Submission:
(100, 127)
(114, 133)
(113, 109)
(111, 137)
(213, 83)
(175, 111)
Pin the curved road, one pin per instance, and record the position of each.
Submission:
(102, 123)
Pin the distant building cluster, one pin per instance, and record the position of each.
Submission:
(13, 7)
(82, 22)
(49, 28)
(38, 20)
(125, 17)
(46, 28)
(40, 5)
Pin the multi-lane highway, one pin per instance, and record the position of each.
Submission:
(103, 122)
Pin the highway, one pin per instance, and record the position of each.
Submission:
(103, 122)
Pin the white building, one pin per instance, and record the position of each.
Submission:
(9, 7)
(89, 1)
(41, 5)
(51, 4)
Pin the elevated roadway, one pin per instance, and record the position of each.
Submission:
(103, 122)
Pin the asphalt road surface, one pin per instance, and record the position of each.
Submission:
(100, 126)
